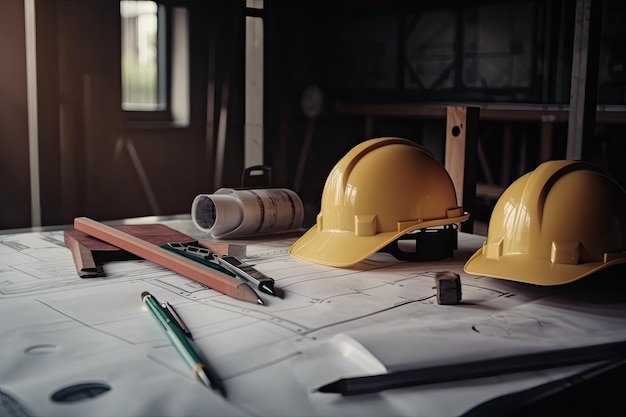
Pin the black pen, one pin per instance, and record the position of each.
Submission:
(183, 345)
(247, 273)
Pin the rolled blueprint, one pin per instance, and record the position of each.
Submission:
(231, 212)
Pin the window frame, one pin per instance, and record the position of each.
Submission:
(165, 41)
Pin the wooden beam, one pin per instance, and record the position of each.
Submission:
(460, 156)
(557, 113)
(584, 81)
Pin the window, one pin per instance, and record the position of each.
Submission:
(141, 72)
(154, 60)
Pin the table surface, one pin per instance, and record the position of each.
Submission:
(76, 347)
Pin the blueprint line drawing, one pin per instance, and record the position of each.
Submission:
(379, 316)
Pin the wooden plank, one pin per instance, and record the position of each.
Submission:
(90, 253)
(198, 272)
(461, 155)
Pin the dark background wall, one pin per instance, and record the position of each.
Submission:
(85, 167)
(14, 168)
(387, 67)
(360, 54)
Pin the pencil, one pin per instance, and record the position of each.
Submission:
(216, 280)
(478, 369)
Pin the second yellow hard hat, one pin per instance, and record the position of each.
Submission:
(555, 225)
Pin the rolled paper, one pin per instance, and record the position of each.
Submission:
(233, 212)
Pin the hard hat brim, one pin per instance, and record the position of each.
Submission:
(340, 248)
(530, 269)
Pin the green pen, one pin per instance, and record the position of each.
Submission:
(183, 344)
(171, 311)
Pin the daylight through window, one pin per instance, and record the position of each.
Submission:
(141, 72)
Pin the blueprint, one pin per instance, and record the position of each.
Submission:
(60, 331)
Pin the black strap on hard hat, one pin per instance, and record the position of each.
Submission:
(425, 244)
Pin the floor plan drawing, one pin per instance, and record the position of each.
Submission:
(380, 316)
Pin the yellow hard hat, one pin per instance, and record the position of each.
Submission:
(380, 190)
(554, 225)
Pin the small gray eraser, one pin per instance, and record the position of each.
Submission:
(448, 287)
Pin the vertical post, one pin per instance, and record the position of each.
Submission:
(584, 82)
(222, 123)
(253, 128)
(211, 97)
(33, 117)
(460, 157)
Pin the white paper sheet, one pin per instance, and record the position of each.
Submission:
(60, 330)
